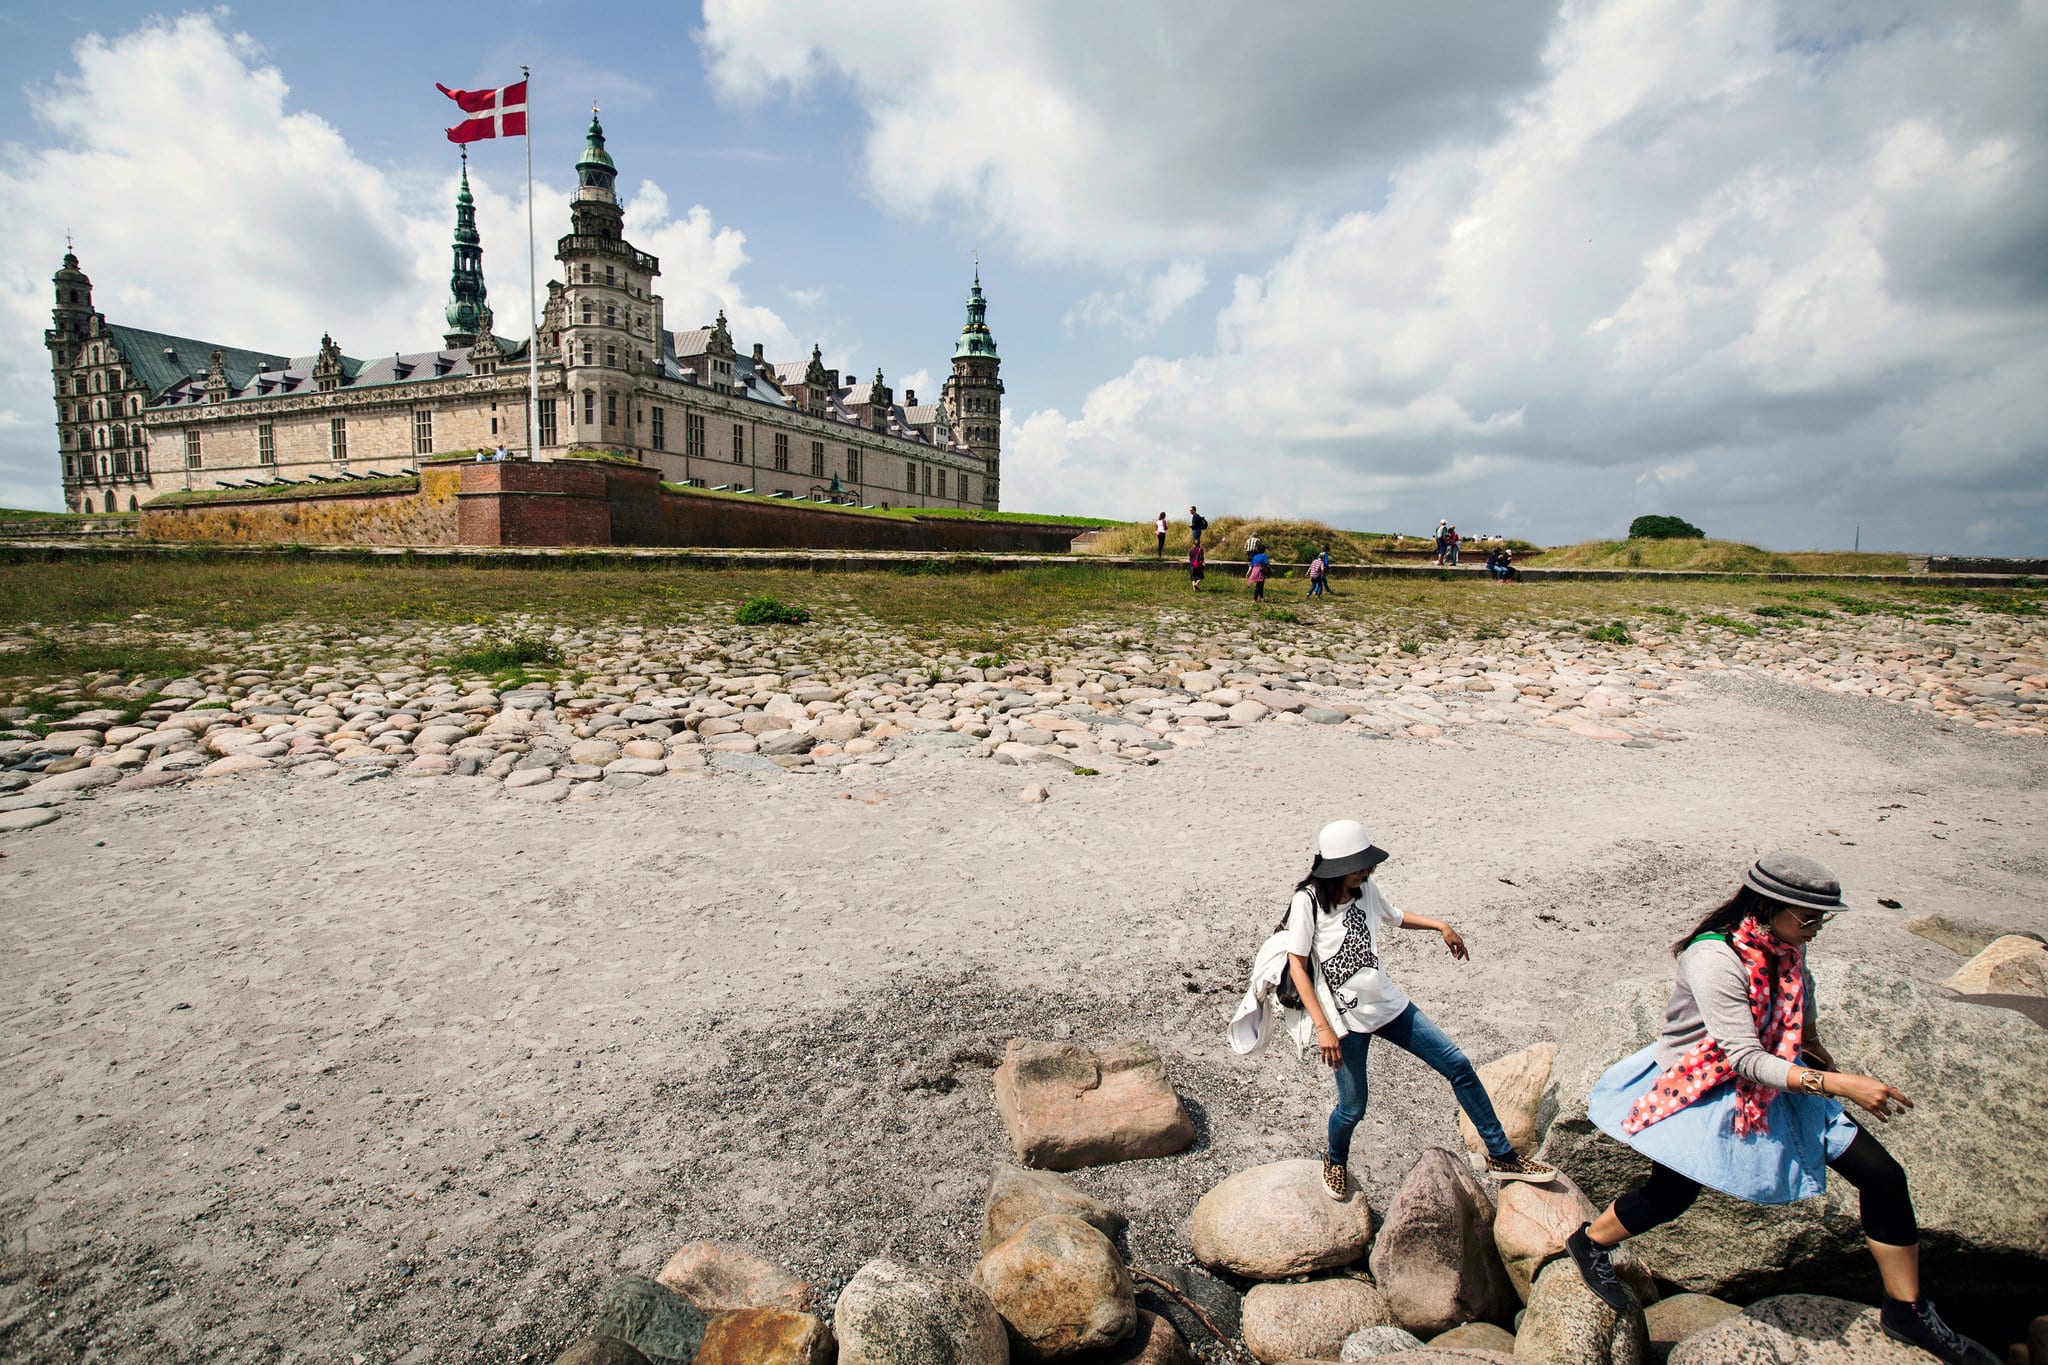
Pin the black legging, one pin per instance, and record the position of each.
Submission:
(1878, 1178)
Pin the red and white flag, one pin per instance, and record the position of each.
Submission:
(492, 113)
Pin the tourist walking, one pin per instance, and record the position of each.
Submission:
(1322, 968)
(1159, 530)
(1739, 1093)
(1451, 546)
(1197, 523)
(1256, 576)
(1441, 527)
(1195, 565)
(1252, 546)
(1318, 569)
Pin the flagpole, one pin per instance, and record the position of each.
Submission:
(532, 292)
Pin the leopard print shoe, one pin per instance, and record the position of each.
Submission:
(1336, 1179)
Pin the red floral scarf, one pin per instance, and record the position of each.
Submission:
(1777, 1001)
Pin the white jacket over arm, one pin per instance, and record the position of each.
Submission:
(1252, 1024)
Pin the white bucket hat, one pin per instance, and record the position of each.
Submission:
(1343, 847)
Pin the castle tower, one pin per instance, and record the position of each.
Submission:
(610, 315)
(70, 325)
(466, 295)
(973, 395)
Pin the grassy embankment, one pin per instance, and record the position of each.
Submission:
(161, 617)
(1710, 556)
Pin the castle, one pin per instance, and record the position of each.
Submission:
(141, 412)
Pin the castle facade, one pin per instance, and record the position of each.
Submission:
(142, 412)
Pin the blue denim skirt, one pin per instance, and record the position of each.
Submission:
(1787, 1161)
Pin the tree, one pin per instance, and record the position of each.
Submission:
(1664, 528)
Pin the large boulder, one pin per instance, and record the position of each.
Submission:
(1673, 1320)
(1515, 1083)
(719, 1277)
(1067, 1107)
(1310, 1320)
(1960, 935)
(1973, 1148)
(1567, 1325)
(600, 1351)
(2013, 965)
(1435, 1259)
(766, 1336)
(1154, 1341)
(1277, 1220)
(1798, 1329)
(1016, 1196)
(891, 1313)
(654, 1320)
(1531, 1223)
(1475, 1336)
(1368, 1343)
(1060, 1286)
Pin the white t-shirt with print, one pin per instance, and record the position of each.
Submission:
(1346, 947)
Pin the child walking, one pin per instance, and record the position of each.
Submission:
(1323, 966)
(1739, 1094)
(1195, 565)
(1256, 576)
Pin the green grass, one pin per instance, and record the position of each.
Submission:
(351, 488)
(505, 656)
(31, 514)
(769, 611)
(894, 513)
(1728, 623)
(1613, 633)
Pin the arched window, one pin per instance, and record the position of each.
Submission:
(110, 499)
(96, 382)
(106, 466)
(99, 438)
(134, 406)
(95, 358)
(135, 436)
(99, 409)
(131, 502)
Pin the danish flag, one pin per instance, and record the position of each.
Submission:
(493, 113)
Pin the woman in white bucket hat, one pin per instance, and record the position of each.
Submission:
(1331, 937)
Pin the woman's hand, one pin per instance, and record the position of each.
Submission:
(1869, 1094)
(1455, 944)
(1332, 1050)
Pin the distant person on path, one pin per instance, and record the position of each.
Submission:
(1451, 545)
(1197, 523)
(1195, 565)
(1252, 546)
(1441, 527)
(1256, 576)
(1738, 1093)
(500, 455)
(1318, 568)
(1328, 564)
(1323, 968)
(1159, 530)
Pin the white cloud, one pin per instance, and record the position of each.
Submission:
(807, 298)
(1128, 132)
(919, 382)
(206, 206)
(1708, 266)
(699, 265)
(1145, 307)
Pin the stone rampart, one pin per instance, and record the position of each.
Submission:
(416, 511)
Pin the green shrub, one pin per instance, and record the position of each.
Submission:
(769, 611)
(1614, 633)
(1664, 528)
(1282, 614)
(1411, 647)
(502, 656)
(1665, 611)
(1726, 623)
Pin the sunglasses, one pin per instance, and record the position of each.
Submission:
(1818, 921)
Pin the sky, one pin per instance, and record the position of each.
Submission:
(1779, 269)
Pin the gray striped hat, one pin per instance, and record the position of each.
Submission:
(1794, 879)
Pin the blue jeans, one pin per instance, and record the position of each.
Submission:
(1412, 1031)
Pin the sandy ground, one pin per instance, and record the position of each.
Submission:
(411, 1071)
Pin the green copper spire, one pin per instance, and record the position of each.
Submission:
(466, 295)
(594, 167)
(975, 338)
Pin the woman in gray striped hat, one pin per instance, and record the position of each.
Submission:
(1738, 1093)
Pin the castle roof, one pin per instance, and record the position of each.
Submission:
(161, 360)
(295, 375)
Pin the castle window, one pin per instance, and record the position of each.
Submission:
(928, 483)
(739, 444)
(547, 421)
(658, 430)
(693, 435)
(589, 312)
(963, 488)
(120, 437)
(266, 443)
(131, 502)
(105, 467)
(586, 272)
(193, 457)
(817, 459)
(588, 352)
(611, 409)
(609, 277)
(611, 355)
(423, 431)
(99, 409)
(134, 406)
(70, 467)
(590, 407)
(337, 439)
(99, 439)
(139, 461)
(120, 460)
(782, 451)
(611, 316)
(909, 476)
(852, 465)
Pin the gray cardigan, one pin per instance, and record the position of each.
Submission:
(1711, 999)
